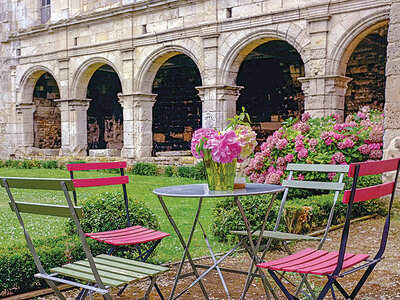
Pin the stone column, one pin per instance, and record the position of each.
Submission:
(392, 104)
(73, 126)
(324, 95)
(138, 120)
(25, 124)
(218, 104)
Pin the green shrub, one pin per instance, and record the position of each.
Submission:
(50, 164)
(17, 267)
(170, 171)
(145, 169)
(300, 215)
(198, 171)
(106, 211)
(226, 216)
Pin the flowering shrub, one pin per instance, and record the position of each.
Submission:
(319, 141)
(236, 141)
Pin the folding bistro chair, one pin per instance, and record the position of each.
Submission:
(101, 272)
(285, 237)
(333, 264)
(132, 235)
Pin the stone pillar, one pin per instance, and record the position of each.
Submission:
(25, 124)
(324, 95)
(392, 104)
(138, 120)
(218, 104)
(73, 126)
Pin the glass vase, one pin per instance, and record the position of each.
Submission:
(220, 176)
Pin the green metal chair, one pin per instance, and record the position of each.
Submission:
(285, 237)
(101, 272)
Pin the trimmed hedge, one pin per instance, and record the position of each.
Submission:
(300, 215)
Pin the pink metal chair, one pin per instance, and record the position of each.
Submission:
(136, 236)
(333, 264)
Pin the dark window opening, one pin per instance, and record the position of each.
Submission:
(45, 11)
(177, 111)
(105, 123)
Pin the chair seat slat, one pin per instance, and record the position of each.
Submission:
(96, 166)
(315, 185)
(93, 182)
(369, 193)
(133, 262)
(46, 209)
(142, 271)
(111, 268)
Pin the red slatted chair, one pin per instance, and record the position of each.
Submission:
(136, 236)
(333, 264)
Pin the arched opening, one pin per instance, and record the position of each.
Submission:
(47, 116)
(271, 89)
(177, 111)
(367, 68)
(104, 116)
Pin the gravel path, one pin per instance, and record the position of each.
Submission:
(384, 283)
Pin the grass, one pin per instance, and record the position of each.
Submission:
(141, 188)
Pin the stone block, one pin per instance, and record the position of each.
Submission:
(104, 152)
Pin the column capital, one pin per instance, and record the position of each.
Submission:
(221, 90)
(25, 108)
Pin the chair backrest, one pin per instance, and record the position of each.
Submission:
(357, 170)
(69, 210)
(103, 181)
(337, 186)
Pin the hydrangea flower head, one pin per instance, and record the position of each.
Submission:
(202, 134)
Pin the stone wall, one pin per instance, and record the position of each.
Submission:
(47, 124)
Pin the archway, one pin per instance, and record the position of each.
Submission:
(271, 89)
(177, 111)
(366, 67)
(47, 116)
(105, 122)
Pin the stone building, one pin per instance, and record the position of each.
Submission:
(134, 77)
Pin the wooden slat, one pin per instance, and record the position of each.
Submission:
(92, 182)
(277, 235)
(318, 168)
(104, 275)
(96, 166)
(37, 183)
(46, 209)
(84, 276)
(374, 167)
(315, 185)
(369, 193)
(112, 268)
(140, 270)
(133, 262)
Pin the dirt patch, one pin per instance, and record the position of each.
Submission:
(384, 283)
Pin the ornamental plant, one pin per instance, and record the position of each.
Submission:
(236, 141)
(318, 141)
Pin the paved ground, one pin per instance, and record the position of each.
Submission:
(384, 283)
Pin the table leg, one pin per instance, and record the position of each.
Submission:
(214, 260)
(254, 249)
(185, 247)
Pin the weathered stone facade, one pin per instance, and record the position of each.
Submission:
(135, 38)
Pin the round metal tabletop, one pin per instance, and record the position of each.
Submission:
(201, 190)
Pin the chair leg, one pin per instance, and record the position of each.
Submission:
(159, 291)
(152, 283)
(281, 286)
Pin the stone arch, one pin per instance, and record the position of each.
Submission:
(233, 59)
(28, 82)
(150, 67)
(84, 73)
(350, 39)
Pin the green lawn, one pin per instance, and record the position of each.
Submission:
(140, 188)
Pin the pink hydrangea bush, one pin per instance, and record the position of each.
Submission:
(318, 141)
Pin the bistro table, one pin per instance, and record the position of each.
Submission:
(201, 191)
